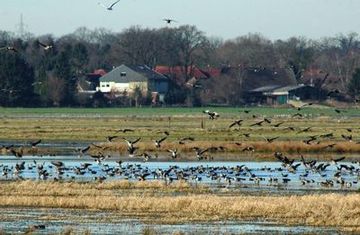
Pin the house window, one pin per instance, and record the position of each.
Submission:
(123, 74)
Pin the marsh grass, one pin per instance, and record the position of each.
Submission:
(336, 210)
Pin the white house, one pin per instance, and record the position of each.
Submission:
(127, 78)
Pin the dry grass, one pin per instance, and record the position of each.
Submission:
(319, 210)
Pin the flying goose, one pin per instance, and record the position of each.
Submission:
(110, 138)
(131, 143)
(270, 140)
(199, 152)
(258, 123)
(109, 8)
(278, 124)
(33, 144)
(158, 142)
(237, 122)
(174, 153)
(182, 140)
(125, 130)
(304, 130)
(168, 20)
(46, 47)
(212, 115)
(9, 48)
(335, 161)
(82, 151)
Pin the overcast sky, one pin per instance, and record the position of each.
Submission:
(275, 19)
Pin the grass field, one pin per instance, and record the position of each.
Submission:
(93, 125)
(148, 111)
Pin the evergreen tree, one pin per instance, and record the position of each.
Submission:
(16, 80)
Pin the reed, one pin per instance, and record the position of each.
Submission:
(337, 210)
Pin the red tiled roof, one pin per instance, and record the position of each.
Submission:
(99, 72)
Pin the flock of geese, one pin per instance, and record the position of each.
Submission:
(300, 172)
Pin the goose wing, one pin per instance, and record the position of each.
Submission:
(112, 5)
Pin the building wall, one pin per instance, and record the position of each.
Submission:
(142, 85)
(113, 87)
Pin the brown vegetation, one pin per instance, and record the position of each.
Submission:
(149, 203)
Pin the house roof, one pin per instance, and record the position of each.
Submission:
(126, 74)
(265, 88)
(193, 71)
(288, 88)
(277, 89)
(256, 77)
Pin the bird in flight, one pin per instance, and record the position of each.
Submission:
(169, 21)
(9, 48)
(45, 46)
(110, 8)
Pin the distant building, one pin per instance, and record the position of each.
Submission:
(194, 74)
(278, 95)
(89, 82)
(125, 79)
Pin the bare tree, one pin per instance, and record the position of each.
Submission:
(56, 90)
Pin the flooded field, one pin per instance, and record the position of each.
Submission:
(281, 177)
(244, 176)
(17, 221)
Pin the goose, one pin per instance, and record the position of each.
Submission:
(329, 146)
(110, 138)
(158, 142)
(174, 153)
(248, 149)
(347, 137)
(297, 115)
(270, 140)
(131, 143)
(125, 130)
(146, 157)
(267, 120)
(182, 140)
(327, 135)
(237, 122)
(335, 161)
(304, 130)
(109, 8)
(258, 123)
(33, 144)
(9, 48)
(278, 124)
(199, 152)
(212, 115)
(168, 20)
(46, 47)
(82, 151)
(247, 135)
(58, 164)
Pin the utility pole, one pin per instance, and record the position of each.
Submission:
(21, 27)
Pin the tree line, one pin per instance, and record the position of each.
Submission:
(33, 76)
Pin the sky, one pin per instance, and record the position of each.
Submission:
(226, 19)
